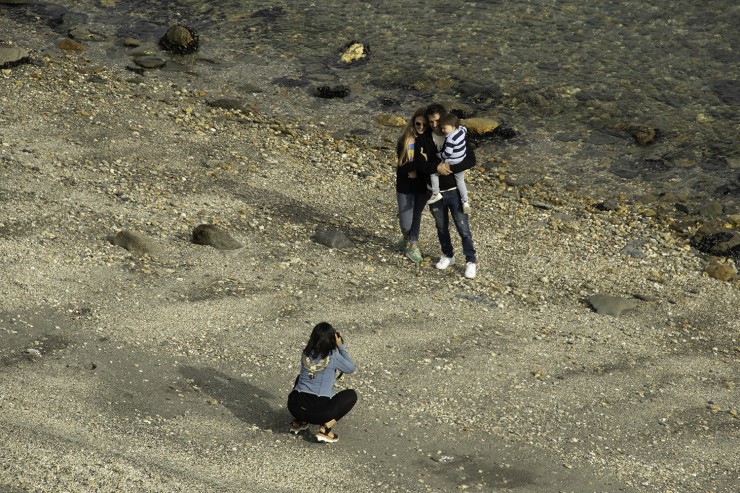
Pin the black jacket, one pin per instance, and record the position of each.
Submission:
(404, 184)
(425, 167)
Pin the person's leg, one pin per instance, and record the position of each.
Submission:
(412, 252)
(339, 406)
(405, 217)
(442, 223)
(461, 186)
(298, 411)
(461, 224)
(434, 182)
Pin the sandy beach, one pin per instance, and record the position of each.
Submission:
(166, 366)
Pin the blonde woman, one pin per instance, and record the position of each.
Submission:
(411, 191)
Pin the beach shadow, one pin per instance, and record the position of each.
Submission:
(245, 401)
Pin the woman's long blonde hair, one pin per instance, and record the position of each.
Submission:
(402, 148)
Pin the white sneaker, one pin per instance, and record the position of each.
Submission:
(434, 198)
(445, 262)
(470, 270)
(466, 207)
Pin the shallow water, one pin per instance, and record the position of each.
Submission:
(564, 74)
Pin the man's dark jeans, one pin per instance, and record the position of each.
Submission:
(451, 205)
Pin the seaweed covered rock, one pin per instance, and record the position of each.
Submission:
(180, 39)
(330, 92)
(643, 134)
(717, 241)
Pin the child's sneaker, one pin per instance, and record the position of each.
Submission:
(466, 207)
(434, 198)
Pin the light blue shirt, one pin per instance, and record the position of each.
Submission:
(323, 381)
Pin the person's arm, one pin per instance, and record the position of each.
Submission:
(467, 163)
(342, 360)
(425, 158)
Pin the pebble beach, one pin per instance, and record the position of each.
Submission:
(596, 351)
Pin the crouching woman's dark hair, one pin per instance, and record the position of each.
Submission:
(323, 341)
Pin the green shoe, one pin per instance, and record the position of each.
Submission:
(414, 254)
(402, 245)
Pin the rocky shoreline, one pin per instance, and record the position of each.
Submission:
(596, 351)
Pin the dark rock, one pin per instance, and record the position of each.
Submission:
(211, 235)
(329, 92)
(135, 242)
(727, 90)
(68, 21)
(226, 104)
(180, 39)
(605, 304)
(333, 239)
(505, 132)
(717, 241)
(608, 205)
(728, 190)
(643, 134)
(270, 14)
(136, 70)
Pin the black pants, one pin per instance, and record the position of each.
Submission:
(318, 410)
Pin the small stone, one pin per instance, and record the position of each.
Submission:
(10, 56)
(391, 120)
(70, 45)
(333, 239)
(211, 235)
(134, 242)
(149, 62)
(605, 304)
(180, 40)
(721, 271)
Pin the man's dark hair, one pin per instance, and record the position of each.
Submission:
(449, 119)
(322, 341)
(436, 108)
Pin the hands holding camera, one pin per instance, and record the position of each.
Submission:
(338, 338)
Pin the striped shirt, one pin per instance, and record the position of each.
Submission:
(455, 148)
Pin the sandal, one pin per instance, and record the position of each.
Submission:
(326, 435)
(298, 426)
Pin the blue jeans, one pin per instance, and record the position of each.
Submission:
(441, 211)
(410, 208)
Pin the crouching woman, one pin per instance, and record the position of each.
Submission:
(313, 400)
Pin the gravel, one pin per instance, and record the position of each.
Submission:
(171, 372)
